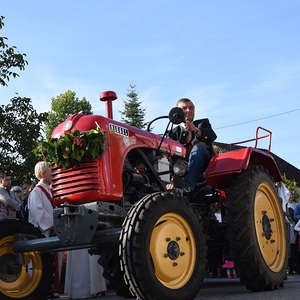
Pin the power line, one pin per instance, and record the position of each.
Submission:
(272, 116)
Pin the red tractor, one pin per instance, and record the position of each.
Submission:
(154, 243)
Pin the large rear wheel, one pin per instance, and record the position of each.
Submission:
(256, 230)
(24, 276)
(162, 249)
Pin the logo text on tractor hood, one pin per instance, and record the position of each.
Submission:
(118, 129)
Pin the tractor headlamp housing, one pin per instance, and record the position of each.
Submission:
(180, 167)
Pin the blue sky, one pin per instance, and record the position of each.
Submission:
(238, 61)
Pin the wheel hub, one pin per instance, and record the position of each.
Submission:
(266, 227)
(10, 269)
(173, 250)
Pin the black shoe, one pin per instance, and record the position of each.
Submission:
(53, 296)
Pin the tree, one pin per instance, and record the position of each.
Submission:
(20, 129)
(133, 114)
(64, 105)
(291, 185)
(10, 59)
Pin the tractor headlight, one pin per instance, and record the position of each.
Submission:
(180, 167)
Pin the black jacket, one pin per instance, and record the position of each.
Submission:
(189, 139)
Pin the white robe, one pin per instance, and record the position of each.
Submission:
(40, 209)
(83, 275)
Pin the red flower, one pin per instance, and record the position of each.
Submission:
(79, 142)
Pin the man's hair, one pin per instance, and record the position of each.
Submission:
(184, 100)
(39, 168)
(3, 174)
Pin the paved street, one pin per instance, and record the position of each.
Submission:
(223, 288)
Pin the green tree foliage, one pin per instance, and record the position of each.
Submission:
(20, 128)
(291, 184)
(133, 114)
(10, 59)
(64, 105)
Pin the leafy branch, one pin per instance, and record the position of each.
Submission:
(70, 149)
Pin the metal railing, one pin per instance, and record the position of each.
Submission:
(256, 139)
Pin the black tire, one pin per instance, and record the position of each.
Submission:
(256, 230)
(113, 273)
(27, 280)
(162, 249)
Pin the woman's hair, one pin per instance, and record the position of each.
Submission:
(39, 168)
(16, 188)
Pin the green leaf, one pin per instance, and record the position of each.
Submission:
(68, 151)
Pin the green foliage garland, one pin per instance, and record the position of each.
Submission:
(69, 150)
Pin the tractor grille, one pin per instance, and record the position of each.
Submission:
(71, 185)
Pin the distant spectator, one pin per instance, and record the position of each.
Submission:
(293, 258)
(21, 214)
(229, 267)
(9, 203)
(297, 213)
(25, 200)
(291, 206)
(26, 189)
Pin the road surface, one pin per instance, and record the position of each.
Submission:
(231, 289)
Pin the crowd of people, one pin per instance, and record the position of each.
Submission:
(294, 216)
(292, 213)
(81, 276)
(13, 199)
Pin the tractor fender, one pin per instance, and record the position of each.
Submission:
(224, 166)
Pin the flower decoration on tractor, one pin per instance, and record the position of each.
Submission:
(71, 148)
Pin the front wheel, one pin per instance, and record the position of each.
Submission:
(256, 230)
(24, 276)
(162, 249)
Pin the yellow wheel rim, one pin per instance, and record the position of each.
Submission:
(270, 227)
(173, 250)
(18, 280)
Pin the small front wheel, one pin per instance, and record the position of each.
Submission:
(162, 249)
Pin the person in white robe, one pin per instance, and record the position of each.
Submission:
(40, 206)
(83, 275)
(40, 211)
